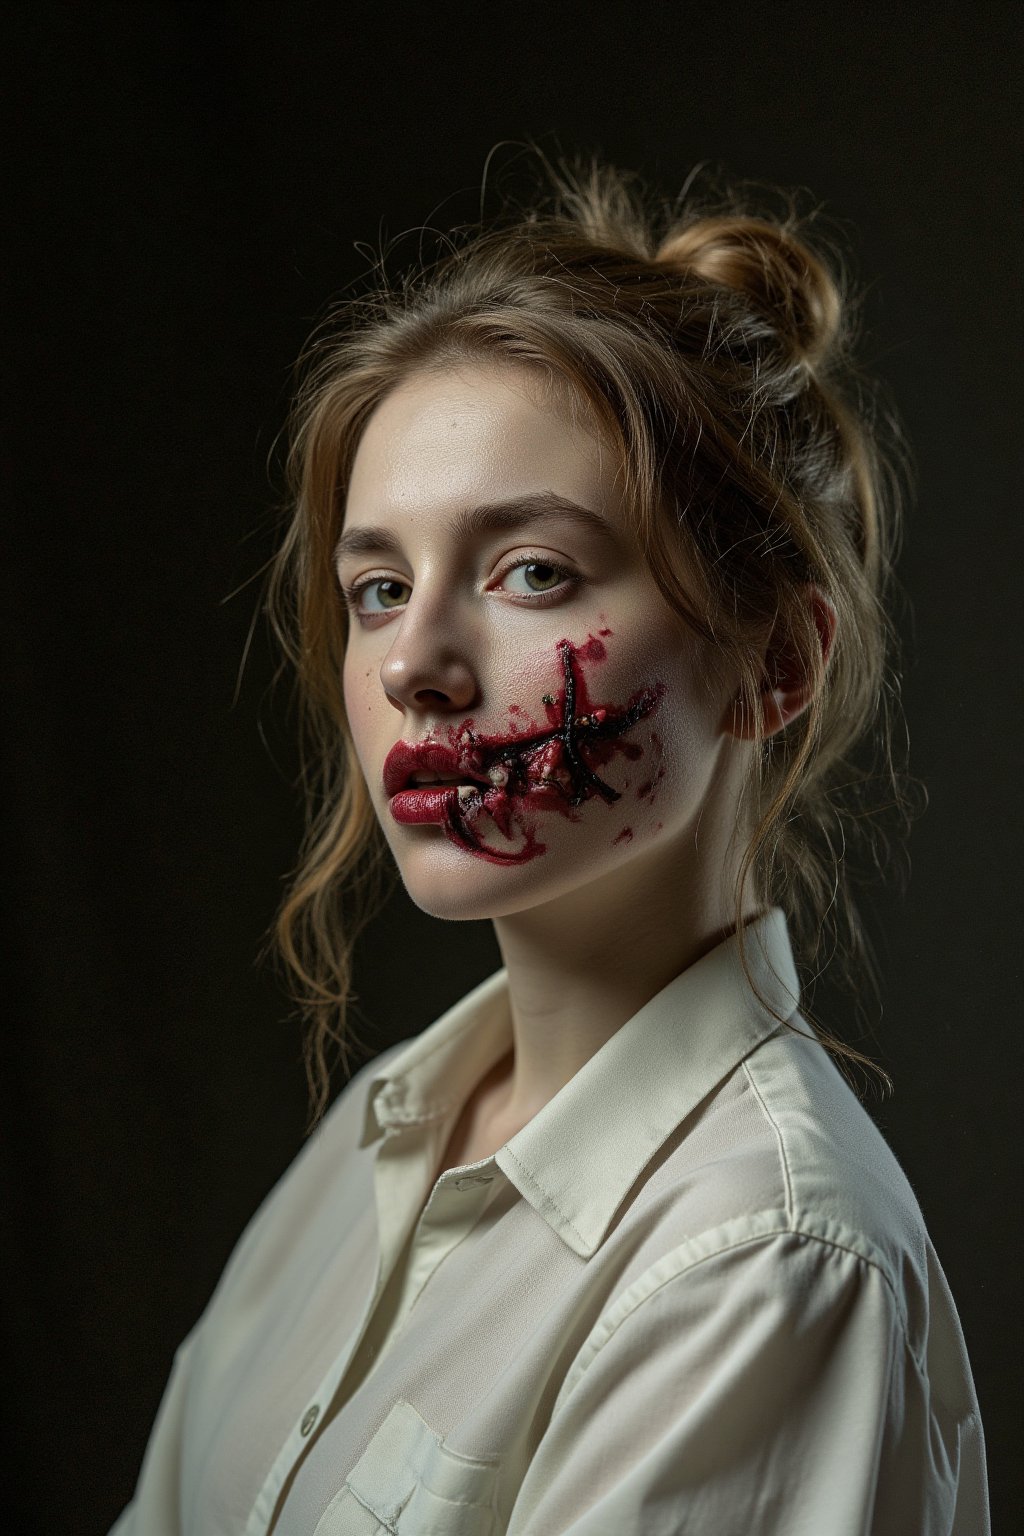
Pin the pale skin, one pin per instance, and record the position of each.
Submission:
(628, 894)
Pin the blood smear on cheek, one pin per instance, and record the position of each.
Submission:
(554, 769)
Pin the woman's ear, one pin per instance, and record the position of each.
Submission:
(787, 685)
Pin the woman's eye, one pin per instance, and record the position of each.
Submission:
(387, 591)
(539, 575)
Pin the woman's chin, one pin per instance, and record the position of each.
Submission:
(465, 889)
(464, 883)
(448, 882)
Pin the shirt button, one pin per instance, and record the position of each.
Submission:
(309, 1418)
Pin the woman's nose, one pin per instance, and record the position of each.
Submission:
(429, 668)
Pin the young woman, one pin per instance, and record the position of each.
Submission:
(585, 588)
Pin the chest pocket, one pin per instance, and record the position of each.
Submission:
(407, 1483)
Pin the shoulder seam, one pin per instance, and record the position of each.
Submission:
(728, 1247)
(779, 1139)
(794, 1225)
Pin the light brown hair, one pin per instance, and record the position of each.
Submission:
(712, 339)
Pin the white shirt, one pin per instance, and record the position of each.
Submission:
(695, 1293)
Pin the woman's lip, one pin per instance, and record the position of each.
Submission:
(426, 757)
(427, 803)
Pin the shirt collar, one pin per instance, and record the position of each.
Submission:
(643, 1082)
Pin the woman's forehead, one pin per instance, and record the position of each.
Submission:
(477, 433)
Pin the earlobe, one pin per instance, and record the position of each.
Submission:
(787, 683)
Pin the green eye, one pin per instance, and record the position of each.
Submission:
(541, 577)
(389, 595)
(390, 598)
(548, 577)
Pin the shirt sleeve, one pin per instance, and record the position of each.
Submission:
(765, 1386)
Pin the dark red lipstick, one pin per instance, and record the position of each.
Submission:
(432, 804)
(425, 759)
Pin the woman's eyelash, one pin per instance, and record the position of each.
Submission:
(351, 593)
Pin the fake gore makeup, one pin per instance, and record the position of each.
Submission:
(515, 777)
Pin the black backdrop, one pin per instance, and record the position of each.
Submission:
(186, 186)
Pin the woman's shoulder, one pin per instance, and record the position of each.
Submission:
(836, 1160)
(782, 1187)
(839, 1181)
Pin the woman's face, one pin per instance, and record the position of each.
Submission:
(509, 650)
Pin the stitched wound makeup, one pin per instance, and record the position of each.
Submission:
(514, 779)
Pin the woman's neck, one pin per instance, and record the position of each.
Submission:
(584, 963)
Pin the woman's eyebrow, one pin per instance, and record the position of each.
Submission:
(471, 522)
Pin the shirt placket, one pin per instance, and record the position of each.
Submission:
(452, 1209)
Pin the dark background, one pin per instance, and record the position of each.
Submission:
(186, 184)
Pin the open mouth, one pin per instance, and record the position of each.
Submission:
(428, 765)
(413, 768)
(471, 782)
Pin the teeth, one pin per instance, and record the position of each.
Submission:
(467, 792)
(498, 775)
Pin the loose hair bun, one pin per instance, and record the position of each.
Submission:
(772, 268)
